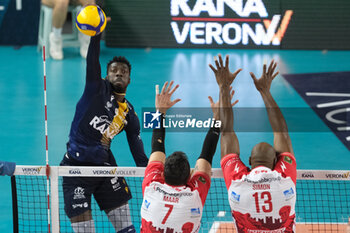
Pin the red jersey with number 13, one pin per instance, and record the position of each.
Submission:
(262, 200)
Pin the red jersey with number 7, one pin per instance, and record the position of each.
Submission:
(261, 200)
(167, 208)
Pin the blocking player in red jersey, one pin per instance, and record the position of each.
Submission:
(262, 199)
(173, 199)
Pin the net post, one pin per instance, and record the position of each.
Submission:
(14, 204)
(55, 220)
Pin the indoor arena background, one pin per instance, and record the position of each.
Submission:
(313, 57)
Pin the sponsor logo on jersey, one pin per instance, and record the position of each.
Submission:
(85, 205)
(109, 128)
(262, 180)
(116, 186)
(283, 166)
(114, 180)
(100, 123)
(195, 184)
(260, 171)
(79, 193)
(109, 103)
(195, 212)
(202, 179)
(289, 193)
(236, 168)
(158, 189)
(146, 203)
(235, 197)
(288, 160)
(77, 206)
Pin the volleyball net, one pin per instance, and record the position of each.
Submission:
(323, 200)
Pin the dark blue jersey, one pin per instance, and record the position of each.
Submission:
(99, 118)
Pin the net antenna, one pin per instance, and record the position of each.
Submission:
(47, 146)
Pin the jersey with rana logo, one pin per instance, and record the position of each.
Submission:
(99, 118)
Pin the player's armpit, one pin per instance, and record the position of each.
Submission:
(203, 165)
(157, 156)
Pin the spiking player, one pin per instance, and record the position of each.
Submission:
(101, 113)
(261, 199)
(173, 199)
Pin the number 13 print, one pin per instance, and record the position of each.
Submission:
(264, 197)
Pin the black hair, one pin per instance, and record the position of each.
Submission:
(120, 59)
(176, 169)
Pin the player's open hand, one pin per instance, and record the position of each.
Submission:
(215, 107)
(264, 82)
(223, 76)
(163, 99)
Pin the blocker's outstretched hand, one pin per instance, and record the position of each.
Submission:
(223, 76)
(163, 99)
(263, 84)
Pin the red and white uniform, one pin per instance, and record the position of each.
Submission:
(175, 209)
(262, 200)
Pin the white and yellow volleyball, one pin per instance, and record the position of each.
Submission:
(91, 20)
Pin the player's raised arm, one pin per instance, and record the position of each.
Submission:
(229, 141)
(204, 162)
(282, 142)
(163, 103)
(93, 67)
(205, 159)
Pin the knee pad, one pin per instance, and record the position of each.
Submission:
(84, 227)
(121, 219)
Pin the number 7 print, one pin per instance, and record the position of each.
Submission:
(168, 213)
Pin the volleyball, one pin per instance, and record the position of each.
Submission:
(91, 20)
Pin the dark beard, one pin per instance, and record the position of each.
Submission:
(118, 89)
